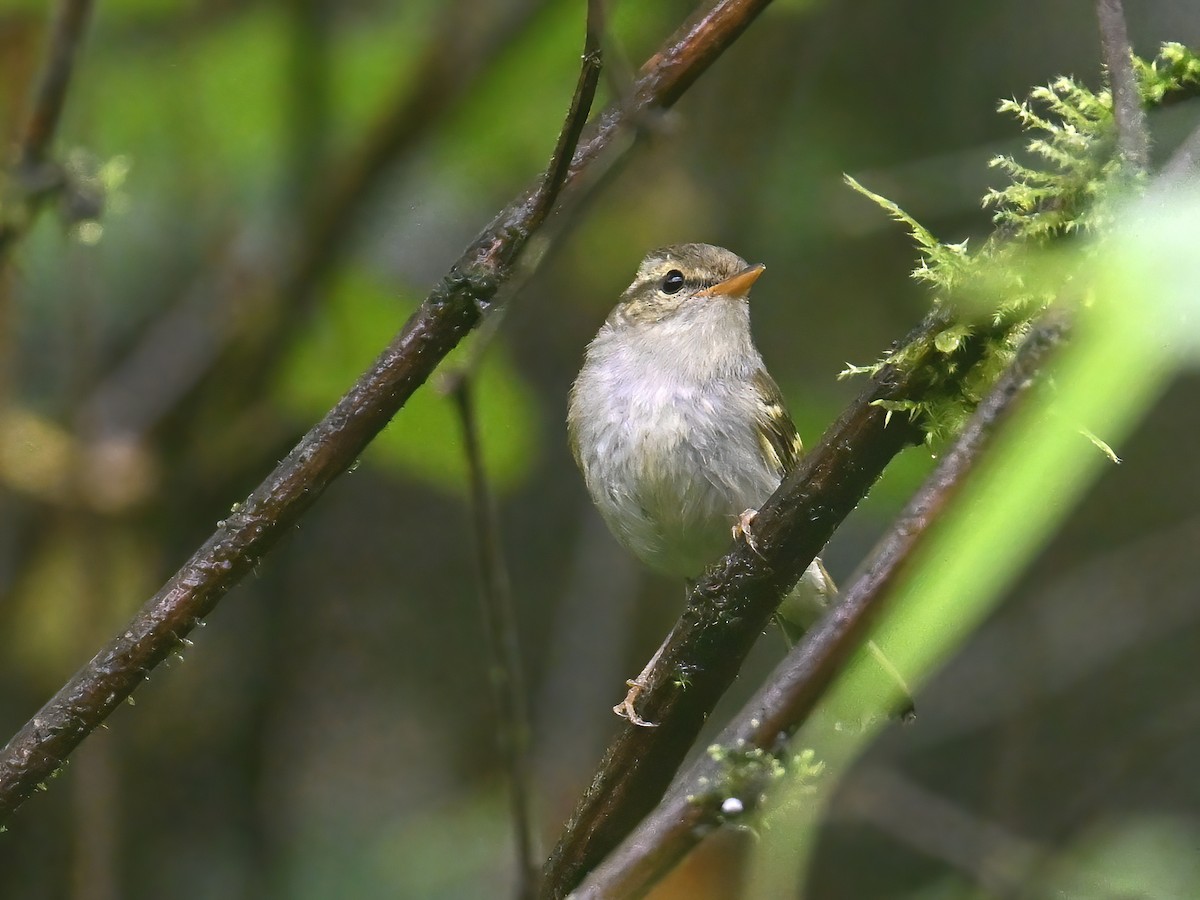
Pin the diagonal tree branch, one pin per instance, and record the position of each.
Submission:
(33, 180)
(500, 625)
(1133, 140)
(451, 310)
(568, 139)
(693, 807)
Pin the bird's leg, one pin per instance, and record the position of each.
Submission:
(742, 529)
(625, 709)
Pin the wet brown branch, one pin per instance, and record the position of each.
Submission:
(1133, 140)
(33, 179)
(451, 310)
(693, 807)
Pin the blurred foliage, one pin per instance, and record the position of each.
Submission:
(68, 582)
(1140, 856)
(441, 854)
(229, 81)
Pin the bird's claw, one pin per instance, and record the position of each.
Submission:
(625, 709)
(742, 529)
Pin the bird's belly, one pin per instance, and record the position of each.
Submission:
(672, 476)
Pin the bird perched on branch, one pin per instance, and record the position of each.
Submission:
(678, 429)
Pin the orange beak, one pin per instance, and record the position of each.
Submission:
(736, 286)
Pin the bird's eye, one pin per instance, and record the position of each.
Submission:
(673, 283)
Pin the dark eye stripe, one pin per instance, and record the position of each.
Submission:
(655, 282)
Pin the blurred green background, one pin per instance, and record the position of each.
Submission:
(284, 181)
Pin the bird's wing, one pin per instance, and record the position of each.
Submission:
(776, 431)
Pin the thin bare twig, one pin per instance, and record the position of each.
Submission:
(500, 627)
(450, 311)
(592, 67)
(568, 138)
(619, 74)
(1133, 140)
(793, 690)
(33, 180)
(50, 96)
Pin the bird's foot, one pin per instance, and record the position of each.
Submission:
(742, 529)
(625, 709)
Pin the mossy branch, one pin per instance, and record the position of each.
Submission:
(1069, 186)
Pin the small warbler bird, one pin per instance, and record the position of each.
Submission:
(678, 429)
